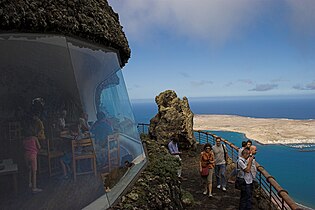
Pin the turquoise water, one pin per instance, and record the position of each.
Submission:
(293, 170)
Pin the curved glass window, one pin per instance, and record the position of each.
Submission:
(71, 97)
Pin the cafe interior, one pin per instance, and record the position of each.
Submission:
(77, 91)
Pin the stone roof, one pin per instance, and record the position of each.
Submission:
(90, 20)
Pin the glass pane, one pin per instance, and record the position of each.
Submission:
(61, 91)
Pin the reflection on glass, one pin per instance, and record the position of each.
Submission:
(82, 87)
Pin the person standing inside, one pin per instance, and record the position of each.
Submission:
(100, 130)
(244, 164)
(173, 149)
(207, 161)
(39, 127)
(31, 148)
(220, 156)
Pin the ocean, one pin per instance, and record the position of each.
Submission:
(291, 165)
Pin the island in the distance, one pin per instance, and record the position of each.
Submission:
(262, 130)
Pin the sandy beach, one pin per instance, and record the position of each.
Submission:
(265, 131)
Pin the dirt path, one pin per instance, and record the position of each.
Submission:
(192, 184)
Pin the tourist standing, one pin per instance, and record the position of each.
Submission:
(207, 163)
(234, 172)
(220, 156)
(253, 170)
(173, 149)
(244, 163)
(244, 144)
(253, 152)
(249, 143)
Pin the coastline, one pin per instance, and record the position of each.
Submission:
(262, 130)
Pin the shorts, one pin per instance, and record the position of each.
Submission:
(31, 161)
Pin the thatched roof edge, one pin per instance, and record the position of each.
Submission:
(91, 20)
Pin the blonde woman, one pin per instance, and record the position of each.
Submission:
(206, 168)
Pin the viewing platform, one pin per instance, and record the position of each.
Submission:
(270, 194)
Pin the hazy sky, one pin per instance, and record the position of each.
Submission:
(219, 48)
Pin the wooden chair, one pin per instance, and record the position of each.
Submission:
(81, 150)
(14, 131)
(113, 151)
(49, 153)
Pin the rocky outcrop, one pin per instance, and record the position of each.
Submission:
(174, 119)
(158, 187)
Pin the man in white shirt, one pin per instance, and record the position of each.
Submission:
(173, 149)
(220, 157)
(245, 164)
(253, 170)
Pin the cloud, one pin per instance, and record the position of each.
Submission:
(246, 81)
(229, 84)
(215, 21)
(310, 86)
(201, 83)
(278, 80)
(264, 87)
(184, 74)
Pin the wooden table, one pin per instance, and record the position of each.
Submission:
(10, 168)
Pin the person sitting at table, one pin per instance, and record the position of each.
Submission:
(62, 120)
(66, 159)
(83, 124)
(31, 148)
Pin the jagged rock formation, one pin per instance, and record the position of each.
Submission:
(174, 119)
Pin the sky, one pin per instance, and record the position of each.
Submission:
(214, 48)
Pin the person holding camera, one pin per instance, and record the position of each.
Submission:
(206, 167)
(245, 165)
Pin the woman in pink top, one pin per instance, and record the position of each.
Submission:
(31, 147)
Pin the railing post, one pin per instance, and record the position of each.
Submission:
(270, 196)
(199, 136)
(260, 180)
(232, 154)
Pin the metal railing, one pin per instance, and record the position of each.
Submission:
(273, 192)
